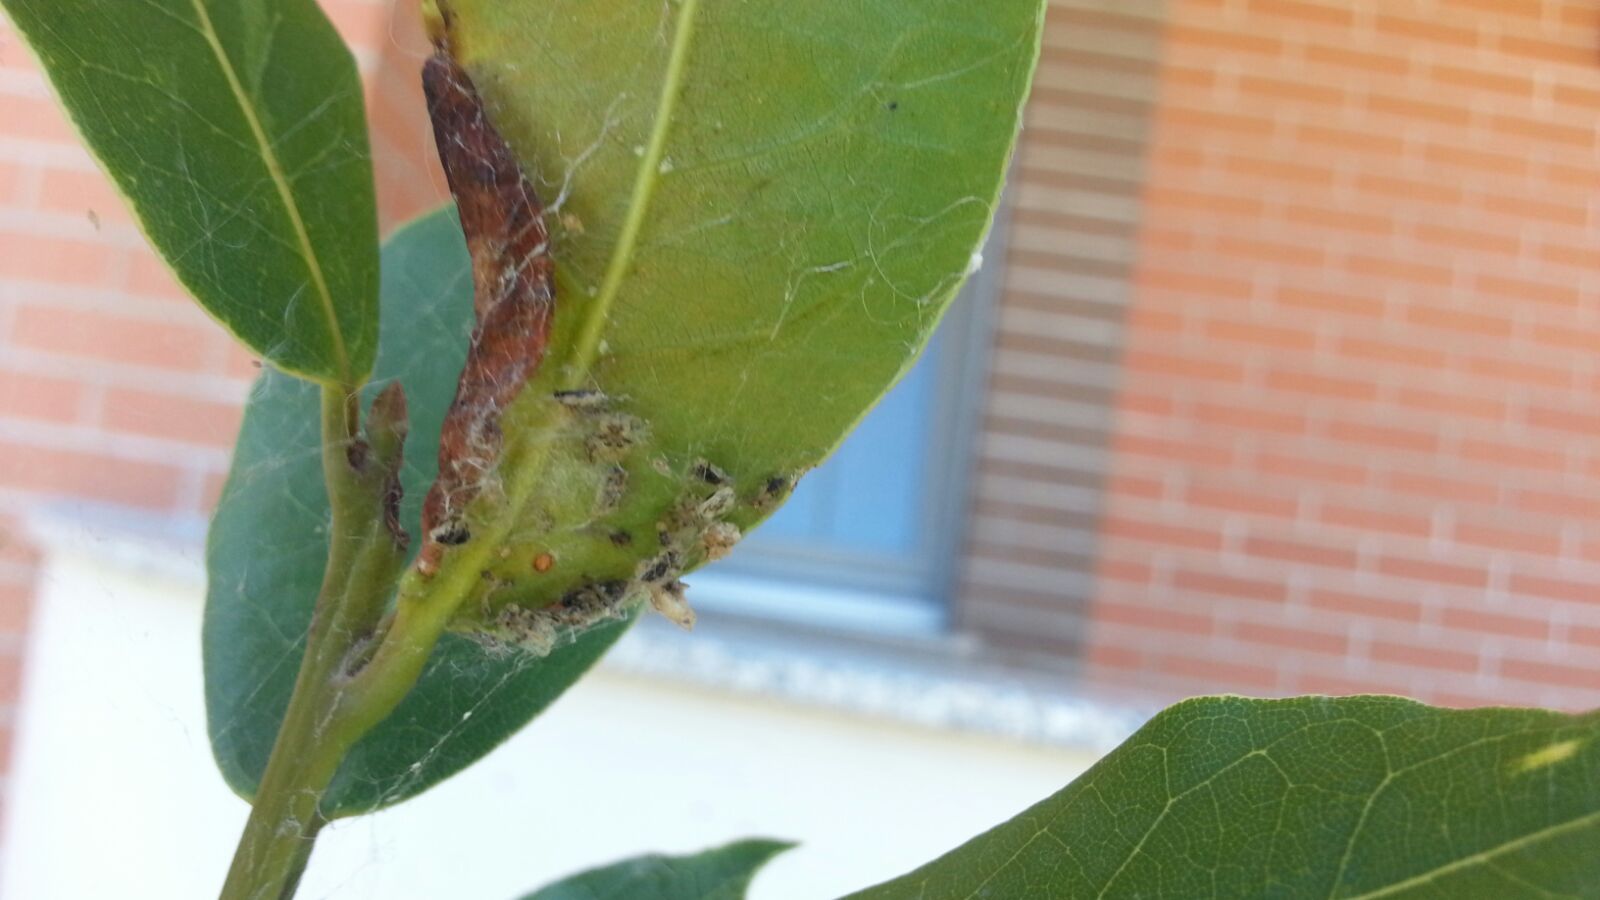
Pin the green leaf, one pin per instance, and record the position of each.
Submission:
(235, 130)
(720, 874)
(268, 546)
(1360, 797)
(764, 208)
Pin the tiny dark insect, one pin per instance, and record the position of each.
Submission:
(709, 473)
(451, 534)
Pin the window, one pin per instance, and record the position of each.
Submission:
(869, 539)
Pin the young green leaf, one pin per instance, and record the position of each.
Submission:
(758, 213)
(723, 873)
(236, 133)
(1360, 797)
(268, 546)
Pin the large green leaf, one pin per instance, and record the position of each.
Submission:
(1361, 797)
(268, 545)
(763, 210)
(723, 873)
(235, 130)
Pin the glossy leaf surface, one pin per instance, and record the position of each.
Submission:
(1360, 797)
(236, 133)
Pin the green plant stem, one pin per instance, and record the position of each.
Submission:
(363, 561)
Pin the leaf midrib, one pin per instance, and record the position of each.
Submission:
(280, 181)
(1483, 856)
(644, 185)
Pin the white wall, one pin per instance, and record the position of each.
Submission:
(114, 792)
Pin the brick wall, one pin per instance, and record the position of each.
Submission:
(114, 388)
(1358, 436)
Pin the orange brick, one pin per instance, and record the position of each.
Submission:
(1280, 170)
(1339, 15)
(1359, 139)
(1580, 137)
(1126, 571)
(1120, 526)
(57, 260)
(1428, 30)
(82, 191)
(1182, 366)
(1404, 352)
(1329, 301)
(1438, 572)
(1341, 220)
(1196, 285)
(1389, 189)
(1268, 251)
(39, 397)
(173, 417)
(1573, 421)
(1385, 437)
(1284, 90)
(1247, 418)
(103, 336)
(1187, 34)
(1573, 211)
(1413, 110)
(1172, 450)
(87, 475)
(1424, 657)
(1458, 321)
(1240, 500)
(1229, 586)
(1466, 239)
(1289, 466)
(1108, 656)
(1504, 370)
(1218, 674)
(1401, 270)
(1274, 336)
(1297, 639)
(1542, 542)
(36, 119)
(1300, 552)
(1538, 457)
(1559, 503)
(1159, 619)
(1382, 520)
(1512, 83)
(1333, 386)
(1495, 623)
(1555, 588)
(1562, 294)
(1343, 56)
(1546, 52)
(1578, 674)
(1579, 95)
(1364, 606)
(1450, 490)
(1478, 407)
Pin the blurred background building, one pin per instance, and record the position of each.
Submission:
(1281, 377)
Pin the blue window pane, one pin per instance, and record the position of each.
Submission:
(860, 517)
